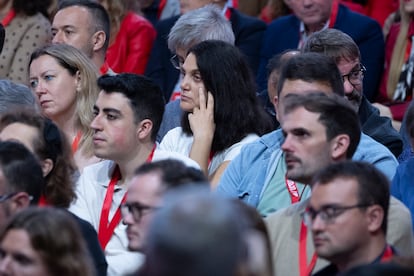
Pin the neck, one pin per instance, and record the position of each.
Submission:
(366, 254)
(128, 167)
(98, 60)
(67, 125)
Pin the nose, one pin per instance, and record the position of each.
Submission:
(96, 123)
(348, 87)
(58, 37)
(184, 83)
(39, 89)
(287, 144)
(317, 224)
(127, 219)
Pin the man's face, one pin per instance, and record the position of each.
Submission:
(189, 5)
(349, 69)
(306, 147)
(144, 193)
(115, 130)
(341, 236)
(298, 87)
(313, 13)
(74, 26)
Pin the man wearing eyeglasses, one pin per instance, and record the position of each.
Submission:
(342, 48)
(347, 214)
(145, 191)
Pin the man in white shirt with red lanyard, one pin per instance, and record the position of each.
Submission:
(128, 113)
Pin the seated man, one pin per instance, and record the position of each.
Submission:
(128, 113)
(345, 52)
(292, 31)
(145, 191)
(347, 214)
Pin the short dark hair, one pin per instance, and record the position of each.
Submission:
(21, 170)
(311, 67)
(335, 113)
(32, 7)
(373, 185)
(145, 97)
(173, 173)
(99, 15)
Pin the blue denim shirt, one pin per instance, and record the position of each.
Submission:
(248, 174)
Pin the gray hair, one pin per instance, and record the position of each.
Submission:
(206, 23)
(14, 95)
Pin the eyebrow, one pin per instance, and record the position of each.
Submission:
(107, 110)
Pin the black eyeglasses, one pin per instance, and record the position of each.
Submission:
(136, 209)
(176, 61)
(328, 213)
(355, 77)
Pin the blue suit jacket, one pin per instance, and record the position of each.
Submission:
(283, 34)
(248, 32)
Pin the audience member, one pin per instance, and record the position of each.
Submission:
(248, 32)
(128, 113)
(347, 213)
(85, 25)
(396, 84)
(64, 80)
(27, 28)
(202, 24)
(221, 112)
(145, 190)
(131, 39)
(13, 95)
(49, 145)
(345, 52)
(196, 234)
(257, 175)
(309, 17)
(43, 241)
(320, 130)
(273, 10)
(402, 183)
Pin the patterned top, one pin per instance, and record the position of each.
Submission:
(24, 34)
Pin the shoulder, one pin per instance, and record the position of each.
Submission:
(100, 171)
(160, 154)
(245, 20)
(134, 20)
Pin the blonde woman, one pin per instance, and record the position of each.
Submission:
(64, 80)
(397, 82)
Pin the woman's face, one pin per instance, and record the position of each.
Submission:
(17, 256)
(54, 86)
(190, 84)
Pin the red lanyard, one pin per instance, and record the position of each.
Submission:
(293, 190)
(334, 13)
(387, 254)
(304, 268)
(227, 13)
(75, 142)
(8, 18)
(106, 227)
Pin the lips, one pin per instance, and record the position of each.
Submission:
(97, 139)
(290, 160)
(44, 102)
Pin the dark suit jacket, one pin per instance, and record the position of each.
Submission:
(283, 34)
(248, 32)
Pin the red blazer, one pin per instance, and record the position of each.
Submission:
(132, 46)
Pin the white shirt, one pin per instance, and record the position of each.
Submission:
(91, 190)
(177, 141)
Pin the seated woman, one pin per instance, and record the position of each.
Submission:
(221, 111)
(397, 83)
(42, 137)
(43, 241)
(65, 82)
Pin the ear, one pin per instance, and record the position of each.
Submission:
(144, 130)
(99, 39)
(47, 166)
(19, 201)
(339, 147)
(375, 217)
